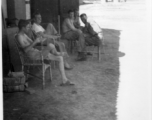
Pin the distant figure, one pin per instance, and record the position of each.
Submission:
(92, 36)
(48, 52)
(73, 33)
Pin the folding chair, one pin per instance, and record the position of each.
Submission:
(27, 62)
(99, 32)
(96, 50)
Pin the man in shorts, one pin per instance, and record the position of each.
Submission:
(48, 52)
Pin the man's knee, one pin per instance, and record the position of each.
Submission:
(50, 24)
(50, 45)
(79, 31)
(62, 44)
(60, 58)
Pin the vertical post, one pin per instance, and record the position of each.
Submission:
(43, 67)
(28, 9)
(59, 16)
(59, 24)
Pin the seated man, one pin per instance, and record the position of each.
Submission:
(50, 33)
(72, 33)
(92, 36)
(76, 19)
(48, 52)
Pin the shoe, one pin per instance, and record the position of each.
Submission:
(81, 59)
(89, 53)
(66, 68)
(68, 83)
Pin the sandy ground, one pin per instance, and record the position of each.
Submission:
(94, 97)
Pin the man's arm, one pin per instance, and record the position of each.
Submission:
(43, 34)
(91, 30)
(22, 42)
(49, 36)
(77, 23)
(70, 25)
(40, 31)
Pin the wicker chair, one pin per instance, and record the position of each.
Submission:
(27, 62)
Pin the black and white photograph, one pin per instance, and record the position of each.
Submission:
(76, 60)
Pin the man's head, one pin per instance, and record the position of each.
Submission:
(71, 14)
(37, 18)
(76, 12)
(24, 25)
(83, 18)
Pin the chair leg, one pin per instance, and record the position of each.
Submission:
(93, 48)
(53, 64)
(99, 54)
(43, 76)
(26, 75)
(71, 46)
(50, 73)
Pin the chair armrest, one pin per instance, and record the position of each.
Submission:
(26, 60)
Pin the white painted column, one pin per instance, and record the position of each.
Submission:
(4, 8)
(28, 9)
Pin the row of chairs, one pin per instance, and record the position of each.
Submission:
(27, 63)
(94, 50)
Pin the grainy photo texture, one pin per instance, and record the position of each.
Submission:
(76, 60)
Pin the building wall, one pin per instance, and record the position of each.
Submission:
(16, 9)
(50, 9)
(4, 8)
(20, 10)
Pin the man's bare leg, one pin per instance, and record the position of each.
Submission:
(50, 30)
(61, 66)
(65, 80)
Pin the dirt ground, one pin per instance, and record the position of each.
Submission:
(92, 98)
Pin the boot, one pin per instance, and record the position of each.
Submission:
(81, 56)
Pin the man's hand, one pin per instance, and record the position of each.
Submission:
(37, 40)
(79, 31)
(56, 36)
(85, 35)
(43, 39)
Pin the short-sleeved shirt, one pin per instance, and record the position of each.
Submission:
(93, 28)
(65, 26)
(37, 28)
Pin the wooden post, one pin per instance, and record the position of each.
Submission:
(59, 16)
(59, 24)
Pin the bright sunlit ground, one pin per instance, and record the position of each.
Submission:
(132, 18)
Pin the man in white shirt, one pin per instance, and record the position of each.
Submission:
(72, 33)
(48, 52)
(50, 33)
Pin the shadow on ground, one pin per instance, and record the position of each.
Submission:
(92, 98)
